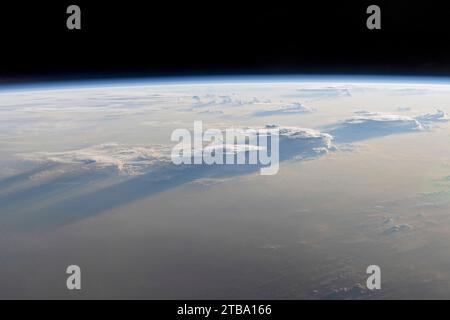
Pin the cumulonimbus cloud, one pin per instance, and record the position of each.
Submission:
(131, 160)
(139, 160)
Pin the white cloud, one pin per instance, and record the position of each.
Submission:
(370, 117)
(130, 160)
(212, 100)
(303, 133)
(367, 125)
(284, 109)
(324, 92)
(438, 116)
(138, 159)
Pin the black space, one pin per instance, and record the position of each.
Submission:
(150, 38)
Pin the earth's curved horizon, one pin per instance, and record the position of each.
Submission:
(87, 179)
